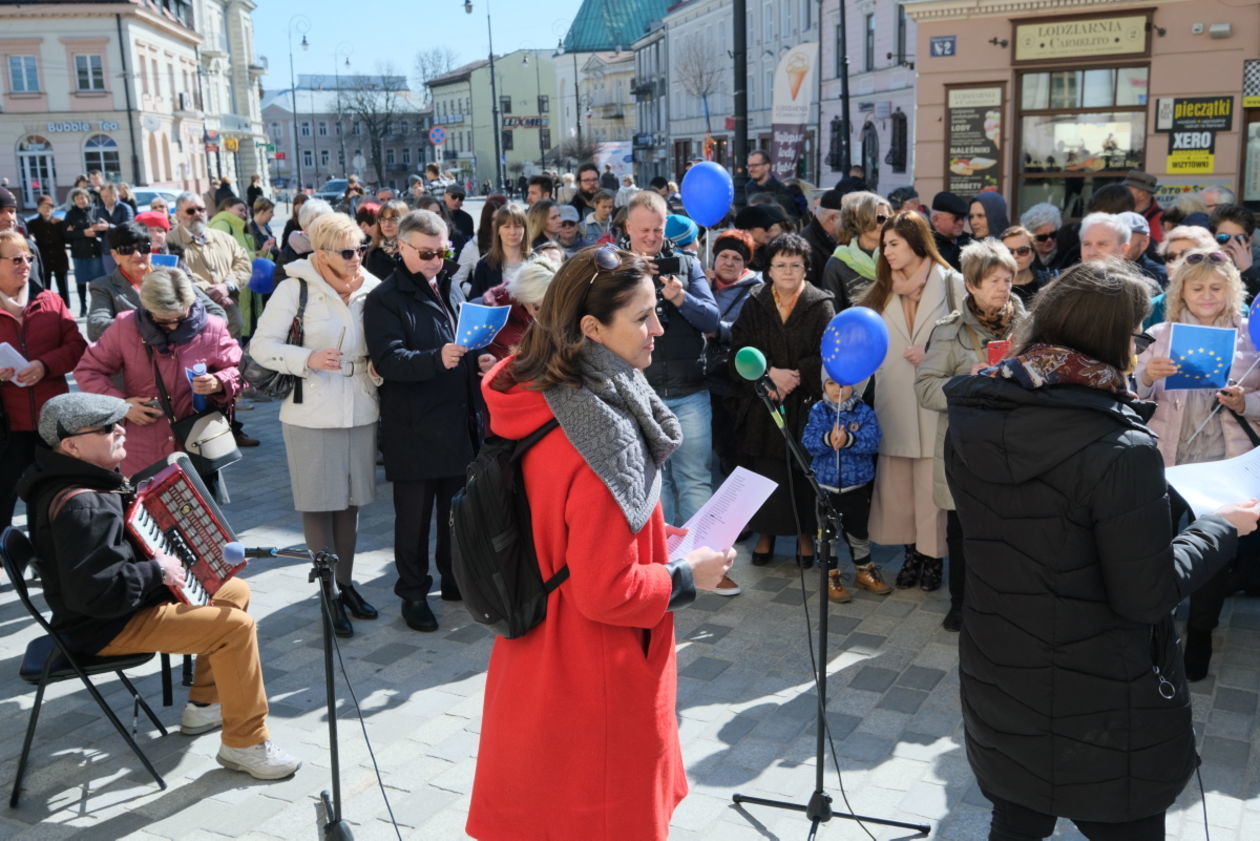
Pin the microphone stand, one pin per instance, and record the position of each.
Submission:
(322, 566)
(818, 810)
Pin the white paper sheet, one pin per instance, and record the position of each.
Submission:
(718, 523)
(10, 358)
(1210, 485)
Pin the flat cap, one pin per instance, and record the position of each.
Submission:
(1137, 222)
(456, 190)
(949, 203)
(6, 198)
(1141, 180)
(67, 414)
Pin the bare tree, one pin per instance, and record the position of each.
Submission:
(430, 64)
(700, 69)
(577, 152)
(377, 103)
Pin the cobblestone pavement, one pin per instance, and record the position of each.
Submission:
(745, 705)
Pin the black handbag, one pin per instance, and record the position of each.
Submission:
(205, 436)
(276, 384)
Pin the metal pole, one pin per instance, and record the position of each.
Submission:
(494, 103)
(577, 102)
(341, 134)
(542, 150)
(845, 152)
(303, 24)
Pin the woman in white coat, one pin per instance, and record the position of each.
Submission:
(329, 437)
(914, 288)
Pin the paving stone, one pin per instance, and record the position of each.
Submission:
(1228, 752)
(705, 668)
(903, 700)
(873, 679)
(863, 642)
(1235, 700)
(918, 677)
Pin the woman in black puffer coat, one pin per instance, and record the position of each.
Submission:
(1073, 697)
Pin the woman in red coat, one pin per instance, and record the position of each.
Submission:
(36, 324)
(578, 734)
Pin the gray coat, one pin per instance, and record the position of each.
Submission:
(113, 294)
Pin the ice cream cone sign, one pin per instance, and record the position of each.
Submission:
(797, 70)
(794, 84)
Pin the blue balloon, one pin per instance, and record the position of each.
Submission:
(1253, 323)
(854, 345)
(707, 193)
(263, 278)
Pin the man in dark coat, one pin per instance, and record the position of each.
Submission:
(429, 418)
(949, 214)
(820, 233)
(1073, 696)
(454, 198)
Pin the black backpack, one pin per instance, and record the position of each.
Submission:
(492, 545)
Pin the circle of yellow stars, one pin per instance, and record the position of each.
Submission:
(1201, 364)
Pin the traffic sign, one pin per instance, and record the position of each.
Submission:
(437, 135)
(280, 156)
(231, 144)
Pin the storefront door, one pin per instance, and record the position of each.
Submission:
(35, 168)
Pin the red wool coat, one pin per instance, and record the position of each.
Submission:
(578, 734)
(48, 333)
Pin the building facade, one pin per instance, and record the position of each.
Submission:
(880, 51)
(1050, 101)
(650, 87)
(337, 120)
(701, 98)
(127, 88)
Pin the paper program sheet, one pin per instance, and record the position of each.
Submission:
(1211, 484)
(10, 358)
(718, 523)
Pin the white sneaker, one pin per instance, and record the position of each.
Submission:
(262, 762)
(727, 587)
(196, 720)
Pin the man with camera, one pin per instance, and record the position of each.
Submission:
(687, 310)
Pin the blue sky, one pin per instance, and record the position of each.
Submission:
(375, 31)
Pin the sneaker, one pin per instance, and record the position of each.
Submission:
(262, 762)
(196, 720)
(836, 591)
(869, 579)
(727, 587)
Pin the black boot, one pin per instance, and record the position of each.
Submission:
(340, 622)
(1198, 654)
(911, 569)
(355, 603)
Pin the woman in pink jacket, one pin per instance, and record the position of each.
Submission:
(1205, 289)
(169, 334)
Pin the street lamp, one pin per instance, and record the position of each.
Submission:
(494, 97)
(577, 103)
(542, 150)
(302, 25)
(341, 134)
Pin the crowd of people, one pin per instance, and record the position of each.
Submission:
(624, 320)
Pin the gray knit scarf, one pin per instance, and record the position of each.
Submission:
(620, 427)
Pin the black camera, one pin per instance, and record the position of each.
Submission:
(668, 265)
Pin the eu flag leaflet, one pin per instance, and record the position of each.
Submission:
(479, 324)
(1203, 356)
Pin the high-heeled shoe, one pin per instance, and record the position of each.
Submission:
(340, 622)
(760, 559)
(356, 604)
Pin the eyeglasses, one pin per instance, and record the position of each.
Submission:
(21, 259)
(1199, 257)
(429, 253)
(128, 250)
(95, 430)
(348, 253)
(384, 219)
(1047, 237)
(1141, 341)
(1021, 251)
(606, 260)
(194, 211)
(455, 197)
(788, 267)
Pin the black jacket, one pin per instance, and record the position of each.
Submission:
(821, 246)
(677, 368)
(94, 580)
(951, 250)
(82, 247)
(50, 236)
(429, 422)
(1072, 573)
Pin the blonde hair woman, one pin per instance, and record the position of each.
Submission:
(329, 437)
(850, 270)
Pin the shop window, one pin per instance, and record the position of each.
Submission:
(101, 152)
(23, 76)
(1079, 130)
(89, 72)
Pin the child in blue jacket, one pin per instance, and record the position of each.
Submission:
(842, 435)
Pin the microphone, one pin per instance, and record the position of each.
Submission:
(750, 364)
(272, 552)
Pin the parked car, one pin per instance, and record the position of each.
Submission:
(146, 195)
(332, 191)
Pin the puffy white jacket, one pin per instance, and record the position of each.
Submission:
(330, 399)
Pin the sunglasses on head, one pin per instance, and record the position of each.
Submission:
(1199, 257)
(128, 250)
(1141, 341)
(606, 260)
(1021, 251)
(1046, 237)
(348, 253)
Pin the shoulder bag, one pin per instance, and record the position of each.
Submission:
(206, 436)
(276, 384)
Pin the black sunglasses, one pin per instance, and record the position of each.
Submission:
(1225, 238)
(193, 211)
(1046, 237)
(605, 261)
(128, 250)
(1021, 251)
(93, 430)
(347, 253)
(880, 219)
(1141, 341)
(1199, 257)
(429, 253)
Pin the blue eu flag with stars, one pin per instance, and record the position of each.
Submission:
(1203, 356)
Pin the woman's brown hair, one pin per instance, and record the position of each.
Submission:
(548, 354)
(539, 213)
(1093, 308)
(485, 230)
(508, 213)
(913, 228)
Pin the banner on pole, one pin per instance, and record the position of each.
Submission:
(793, 96)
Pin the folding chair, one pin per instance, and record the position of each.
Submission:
(48, 660)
